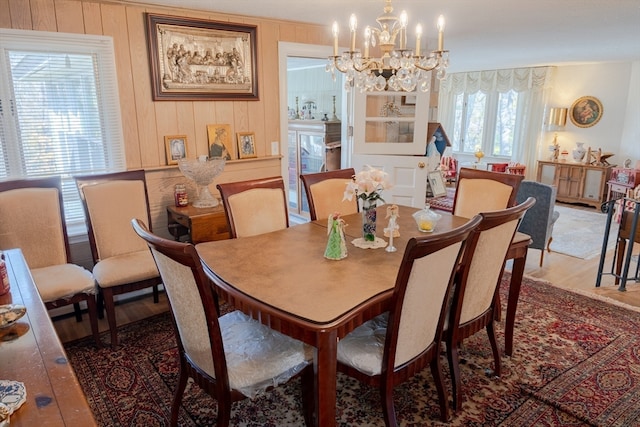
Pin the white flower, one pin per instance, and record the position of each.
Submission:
(367, 184)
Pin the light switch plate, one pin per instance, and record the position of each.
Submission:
(275, 150)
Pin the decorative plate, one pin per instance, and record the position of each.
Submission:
(12, 394)
(9, 313)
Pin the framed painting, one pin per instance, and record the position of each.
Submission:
(176, 146)
(586, 111)
(196, 59)
(436, 182)
(221, 142)
(246, 145)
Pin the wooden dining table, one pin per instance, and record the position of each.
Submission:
(283, 279)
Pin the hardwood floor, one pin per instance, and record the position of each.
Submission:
(561, 270)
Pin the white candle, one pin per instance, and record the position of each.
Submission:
(335, 31)
(418, 37)
(367, 38)
(403, 30)
(353, 25)
(441, 33)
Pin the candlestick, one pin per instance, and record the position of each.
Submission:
(441, 33)
(335, 30)
(367, 37)
(403, 30)
(418, 36)
(353, 25)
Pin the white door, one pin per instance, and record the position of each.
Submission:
(408, 174)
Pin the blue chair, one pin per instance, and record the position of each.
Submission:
(539, 219)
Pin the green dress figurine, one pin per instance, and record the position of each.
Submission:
(336, 246)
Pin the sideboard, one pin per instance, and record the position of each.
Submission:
(576, 182)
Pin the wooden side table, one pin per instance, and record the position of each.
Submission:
(198, 224)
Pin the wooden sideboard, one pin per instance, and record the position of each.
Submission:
(30, 352)
(576, 182)
(198, 224)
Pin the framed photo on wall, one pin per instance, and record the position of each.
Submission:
(197, 59)
(221, 142)
(246, 145)
(586, 111)
(436, 183)
(176, 147)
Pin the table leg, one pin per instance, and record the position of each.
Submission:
(514, 293)
(325, 378)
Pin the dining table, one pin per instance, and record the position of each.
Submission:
(283, 280)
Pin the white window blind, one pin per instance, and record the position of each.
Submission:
(60, 110)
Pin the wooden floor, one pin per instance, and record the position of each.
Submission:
(561, 270)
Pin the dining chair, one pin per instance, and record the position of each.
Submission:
(32, 219)
(230, 357)
(476, 290)
(255, 206)
(122, 261)
(391, 348)
(325, 193)
(482, 191)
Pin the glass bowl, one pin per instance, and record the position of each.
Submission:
(426, 219)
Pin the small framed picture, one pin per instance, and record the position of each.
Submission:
(176, 146)
(437, 184)
(246, 145)
(221, 142)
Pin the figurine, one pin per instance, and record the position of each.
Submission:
(336, 246)
(392, 215)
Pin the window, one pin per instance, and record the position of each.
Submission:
(485, 122)
(59, 110)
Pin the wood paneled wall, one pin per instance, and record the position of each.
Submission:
(145, 122)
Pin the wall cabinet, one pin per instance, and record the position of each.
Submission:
(575, 182)
(313, 146)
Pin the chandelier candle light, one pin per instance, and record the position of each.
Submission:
(397, 69)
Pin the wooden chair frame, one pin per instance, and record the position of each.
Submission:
(505, 178)
(90, 300)
(106, 294)
(308, 180)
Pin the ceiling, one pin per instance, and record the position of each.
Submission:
(480, 34)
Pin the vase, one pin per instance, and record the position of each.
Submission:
(579, 152)
(369, 220)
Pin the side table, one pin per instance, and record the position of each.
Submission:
(198, 224)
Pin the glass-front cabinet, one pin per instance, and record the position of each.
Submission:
(314, 146)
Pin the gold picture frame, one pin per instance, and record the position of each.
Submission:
(197, 59)
(586, 111)
(246, 145)
(221, 142)
(176, 148)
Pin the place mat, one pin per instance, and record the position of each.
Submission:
(363, 244)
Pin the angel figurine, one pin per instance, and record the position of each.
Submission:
(392, 215)
(336, 245)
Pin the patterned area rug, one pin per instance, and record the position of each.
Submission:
(579, 233)
(576, 363)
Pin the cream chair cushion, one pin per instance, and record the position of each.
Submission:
(257, 356)
(328, 197)
(250, 217)
(31, 221)
(111, 206)
(127, 268)
(481, 195)
(63, 281)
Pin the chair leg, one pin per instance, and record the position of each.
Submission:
(541, 257)
(100, 303)
(386, 396)
(454, 368)
(156, 294)
(110, 308)
(308, 401)
(549, 244)
(436, 371)
(93, 319)
(494, 347)
(77, 311)
(177, 397)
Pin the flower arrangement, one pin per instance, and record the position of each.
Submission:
(368, 185)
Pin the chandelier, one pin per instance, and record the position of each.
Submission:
(397, 68)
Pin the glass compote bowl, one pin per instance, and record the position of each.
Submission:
(203, 172)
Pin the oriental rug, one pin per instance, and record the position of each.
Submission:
(576, 362)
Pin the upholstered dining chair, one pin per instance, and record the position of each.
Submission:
(475, 295)
(255, 206)
(230, 357)
(539, 220)
(325, 193)
(389, 349)
(32, 219)
(122, 261)
(482, 191)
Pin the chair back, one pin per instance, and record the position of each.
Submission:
(110, 201)
(422, 289)
(483, 262)
(484, 191)
(32, 219)
(255, 207)
(325, 193)
(539, 219)
(191, 299)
